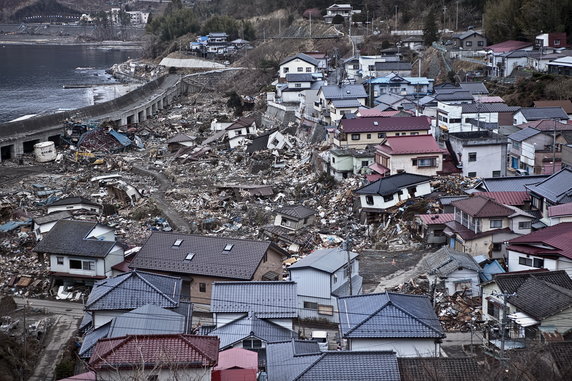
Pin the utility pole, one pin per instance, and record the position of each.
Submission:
(504, 323)
(310, 24)
(396, 17)
(347, 248)
(554, 147)
(457, 17)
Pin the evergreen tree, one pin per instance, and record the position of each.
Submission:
(430, 30)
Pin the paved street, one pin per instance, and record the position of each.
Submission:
(74, 310)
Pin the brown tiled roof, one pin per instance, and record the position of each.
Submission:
(381, 124)
(157, 351)
(439, 368)
(239, 261)
(439, 218)
(506, 198)
(403, 145)
(478, 206)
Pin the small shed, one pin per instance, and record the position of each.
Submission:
(236, 364)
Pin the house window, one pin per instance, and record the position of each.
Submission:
(364, 163)
(525, 261)
(556, 42)
(455, 120)
(371, 67)
(356, 136)
(60, 260)
(464, 285)
(369, 200)
(298, 85)
(355, 66)
(524, 225)
(153, 377)
(88, 265)
(75, 264)
(472, 174)
(369, 136)
(308, 70)
(202, 287)
(380, 135)
(286, 70)
(496, 224)
(493, 309)
(497, 246)
(472, 156)
(414, 133)
(516, 145)
(468, 43)
(480, 43)
(388, 198)
(300, 69)
(333, 159)
(252, 344)
(538, 263)
(310, 306)
(325, 310)
(335, 278)
(496, 173)
(426, 162)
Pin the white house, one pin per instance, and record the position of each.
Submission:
(42, 225)
(298, 64)
(74, 203)
(240, 130)
(459, 272)
(323, 277)
(480, 153)
(547, 248)
(344, 10)
(531, 114)
(388, 191)
(404, 324)
(80, 251)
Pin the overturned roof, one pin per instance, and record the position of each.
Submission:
(391, 184)
(326, 260)
(298, 212)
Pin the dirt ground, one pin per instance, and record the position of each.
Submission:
(382, 269)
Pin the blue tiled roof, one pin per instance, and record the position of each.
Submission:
(363, 366)
(265, 299)
(557, 188)
(251, 326)
(388, 315)
(148, 319)
(134, 289)
(91, 338)
(286, 360)
(327, 260)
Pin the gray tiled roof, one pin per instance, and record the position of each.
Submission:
(265, 299)
(396, 66)
(443, 368)
(388, 315)
(557, 188)
(446, 260)
(524, 134)
(541, 299)
(286, 360)
(510, 282)
(344, 288)
(134, 289)
(363, 366)
(326, 260)
(147, 320)
(511, 184)
(251, 326)
(474, 87)
(298, 212)
(392, 184)
(537, 113)
(487, 108)
(159, 253)
(303, 57)
(52, 217)
(463, 35)
(344, 92)
(454, 96)
(300, 77)
(90, 339)
(340, 103)
(68, 237)
(73, 200)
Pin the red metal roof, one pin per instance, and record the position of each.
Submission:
(438, 218)
(237, 358)
(379, 169)
(558, 237)
(381, 124)
(506, 198)
(508, 46)
(187, 351)
(478, 206)
(560, 210)
(410, 144)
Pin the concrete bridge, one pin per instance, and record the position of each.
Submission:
(17, 138)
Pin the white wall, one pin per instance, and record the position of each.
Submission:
(59, 208)
(311, 282)
(561, 263)
(99, 269)
(102, 317)
(293, 66)
(402, 347)
(225, 318)
(489, 159)
(378, 203)
(460, 275)
(405, 163)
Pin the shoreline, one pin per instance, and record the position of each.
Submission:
(62, 42)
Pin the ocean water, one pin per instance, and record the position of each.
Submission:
(32, 77)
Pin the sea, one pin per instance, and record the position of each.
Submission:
(33, 77)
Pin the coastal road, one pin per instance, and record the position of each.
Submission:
(70, 309)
